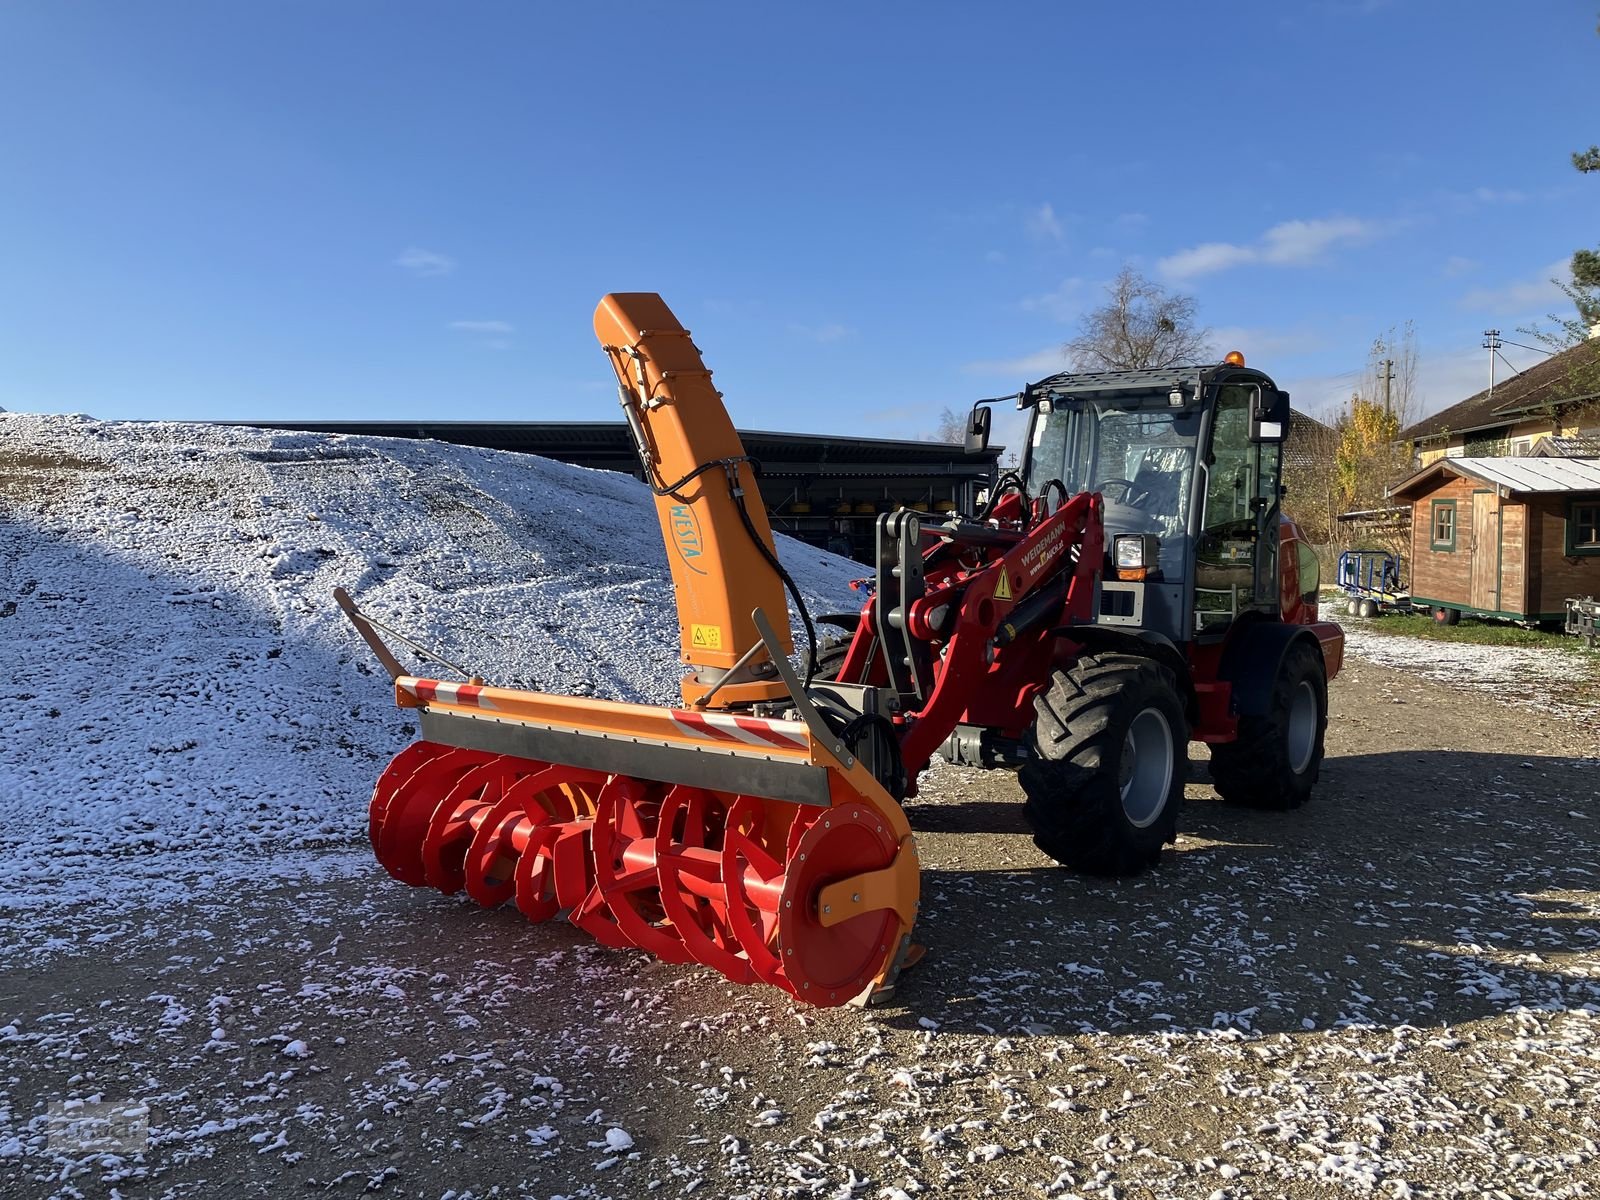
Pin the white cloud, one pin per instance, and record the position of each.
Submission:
(1261, 346)
(1289, 244)
(1204, 259)
(1042, 223)
(425, 262)
(1522, 297)
(481, 326)
(1064, 303)
(1297, 243)
(1457, 265)
(831, 332)
(1484, 195)
(1027, 366)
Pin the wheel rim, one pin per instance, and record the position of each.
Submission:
(1302, 726)
(1145, 774)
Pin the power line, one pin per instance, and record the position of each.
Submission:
(1515, 370)
(1520, 346)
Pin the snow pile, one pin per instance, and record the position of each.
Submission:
(181, 689)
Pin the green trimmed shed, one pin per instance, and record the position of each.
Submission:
(1503, 537)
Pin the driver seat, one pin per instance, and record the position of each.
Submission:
(1155, 488)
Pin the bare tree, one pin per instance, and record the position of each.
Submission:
(952, 427)
(1141, 325)
(1393, 354)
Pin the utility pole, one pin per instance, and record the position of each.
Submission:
(1491, 343)
(1388, 379)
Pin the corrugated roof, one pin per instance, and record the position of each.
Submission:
(1567, 447)
(1535, 475)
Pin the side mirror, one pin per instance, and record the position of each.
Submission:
(978, 429)
(1269, 415)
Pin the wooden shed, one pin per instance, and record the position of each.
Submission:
(1504, 537)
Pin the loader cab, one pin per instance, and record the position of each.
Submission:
(1187, 462)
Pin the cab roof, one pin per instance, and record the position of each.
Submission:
(1191, 379)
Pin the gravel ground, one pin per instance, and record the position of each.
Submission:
(1393, 992)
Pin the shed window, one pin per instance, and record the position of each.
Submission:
(1583, 528)
(1444, 524)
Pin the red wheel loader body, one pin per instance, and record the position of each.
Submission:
(1133, 586)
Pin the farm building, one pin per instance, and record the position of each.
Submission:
(1557, 398)
(1503, 536)
(819, 488)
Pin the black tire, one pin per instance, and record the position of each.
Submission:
(831, 651)
(1447, 616)
(1368, 609)
(1269, 765)
(1086, 727)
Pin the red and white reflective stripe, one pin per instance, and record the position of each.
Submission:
(751, 731)
(430, 690)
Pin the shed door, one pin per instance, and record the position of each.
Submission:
(1486, 551)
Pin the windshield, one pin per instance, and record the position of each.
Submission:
(1140, 459)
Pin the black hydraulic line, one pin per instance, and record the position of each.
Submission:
(1044, 493)
(729, 463)
(772, 560)
(730, 467)
(1009, 481)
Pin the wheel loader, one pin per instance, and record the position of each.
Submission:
(1132, 587)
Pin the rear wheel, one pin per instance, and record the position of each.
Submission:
(1367, 608)
(1447, 616)
(1110, 746)
(1275, 760)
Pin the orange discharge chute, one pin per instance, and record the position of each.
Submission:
(739, 831)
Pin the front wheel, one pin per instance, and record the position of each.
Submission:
(1275, 760)
(1110, 746)
(831, 651)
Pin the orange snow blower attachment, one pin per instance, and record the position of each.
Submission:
(740, 831)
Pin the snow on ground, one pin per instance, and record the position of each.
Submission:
(1541, 677)
(186, 702)
(1392, 992)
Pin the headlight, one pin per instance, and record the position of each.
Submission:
(1134, 555)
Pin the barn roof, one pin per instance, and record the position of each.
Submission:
(1535, 475)
(1570, 377)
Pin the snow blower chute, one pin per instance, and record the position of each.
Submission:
(740, 831)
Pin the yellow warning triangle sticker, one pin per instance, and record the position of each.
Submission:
(1002, 590)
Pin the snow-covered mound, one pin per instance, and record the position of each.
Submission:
(181, 692)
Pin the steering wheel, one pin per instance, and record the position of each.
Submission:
(1127, 485)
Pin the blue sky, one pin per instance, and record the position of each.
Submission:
(864, 212)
